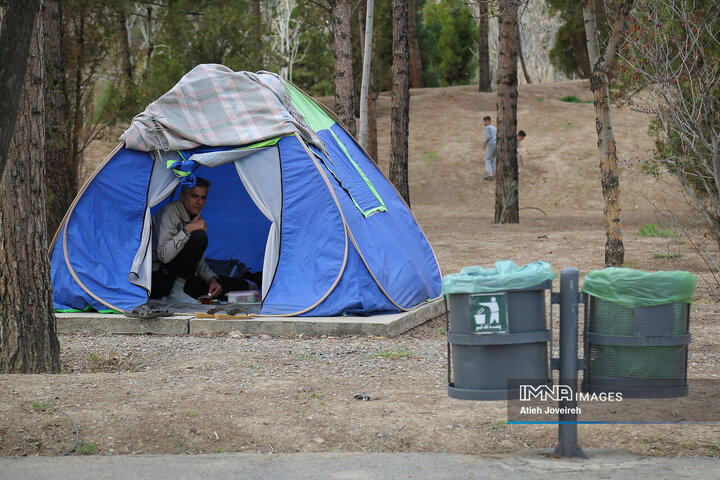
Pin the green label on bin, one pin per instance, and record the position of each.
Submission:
(488, 313)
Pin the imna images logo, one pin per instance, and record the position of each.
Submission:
(559, 393)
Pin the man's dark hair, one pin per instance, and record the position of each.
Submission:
(200, 182)
(487, 118)
(521, 133)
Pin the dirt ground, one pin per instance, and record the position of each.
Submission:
(227, 393)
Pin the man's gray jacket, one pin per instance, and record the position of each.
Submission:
(169, 238)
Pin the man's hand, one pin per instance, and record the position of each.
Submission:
(215, 288)
(196, 223)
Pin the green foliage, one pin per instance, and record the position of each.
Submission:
(671, 51)
(454, 30)
(315, 73)
(40, 406)
(497, 425)
(399, 353)
(569, 55)
(653, 230)
(382, 45)
(86, 448)
(429, 155)
(213, 31)
(574, 99)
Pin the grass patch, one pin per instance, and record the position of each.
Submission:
(399, 353)
(539, 99)
(40, 406)
(86, 448)
(185, 450)
(439, 330)
(429, 155)
(497, 425)
(190, 414)
(668, 256)
(319, 397)
(574, 99)
(255, 367)
(653, 230)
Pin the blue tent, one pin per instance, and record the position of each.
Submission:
(297, 199)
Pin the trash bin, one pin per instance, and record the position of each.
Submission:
(637, 332)
(497, 329)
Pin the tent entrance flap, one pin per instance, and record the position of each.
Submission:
(243, 205)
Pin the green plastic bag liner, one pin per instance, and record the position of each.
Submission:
(635, 288)
(505, 276)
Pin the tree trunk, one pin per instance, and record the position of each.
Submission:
(77, 105)
(151, 40)
(400, 111)
(416, 72)
(257, 26)
(506, 171)
(344, 92)
(484, 77)
(15, 35)
(371, 139)
(372, 143)
(124, 46)
(28, 336)
(62, 185)
(528, 80)
(609, 180)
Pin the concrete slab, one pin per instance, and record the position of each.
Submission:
(377, 325)
(113, 323)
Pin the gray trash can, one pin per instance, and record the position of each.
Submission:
(637, 332)
(497, 330)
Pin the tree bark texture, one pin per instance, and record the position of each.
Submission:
(416, 72)
(484, 77)
(15, 35)
(28, 334)
(151, 40)
(371, 146)
(506, 171)
(77, 105)
(62, 185)
(124, 46)
(528, 80)
(609, 180)
(344, 91)
(400, 110)
(257, 25)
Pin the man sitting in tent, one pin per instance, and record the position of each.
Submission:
(180, 273)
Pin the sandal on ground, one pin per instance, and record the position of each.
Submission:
(146, 311)
(210, 313)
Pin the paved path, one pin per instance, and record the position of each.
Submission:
(602, 464)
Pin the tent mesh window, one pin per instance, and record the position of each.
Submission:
(633, 362)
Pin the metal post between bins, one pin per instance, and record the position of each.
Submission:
(567, 426)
